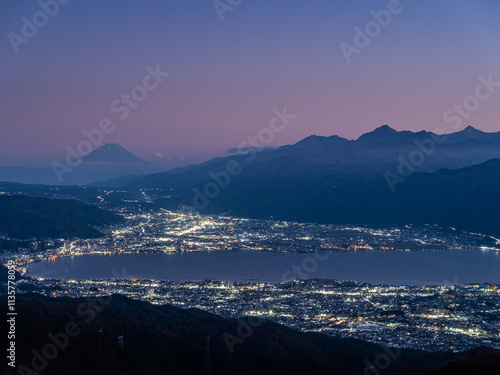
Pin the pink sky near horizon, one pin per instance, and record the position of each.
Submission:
(226, 77)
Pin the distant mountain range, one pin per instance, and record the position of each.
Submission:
(383, 177)
(169, 340)
(107, 162)
(112, 153)
(25, 217)
(371, 153)
(370, 156)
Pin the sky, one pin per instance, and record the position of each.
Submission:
(231, 64)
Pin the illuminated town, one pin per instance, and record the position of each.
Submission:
(186, 231)
(448, 317)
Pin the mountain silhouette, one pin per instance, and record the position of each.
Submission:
(26, 217)
(112, 153)
(169, 340)
(334, 180)
(107, 162)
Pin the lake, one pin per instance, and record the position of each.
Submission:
(381, 267)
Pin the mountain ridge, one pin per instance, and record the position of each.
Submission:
(112, 153)
(380, 148)
(167, 339)
(25, 217)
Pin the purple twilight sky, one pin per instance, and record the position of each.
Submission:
(230, 67)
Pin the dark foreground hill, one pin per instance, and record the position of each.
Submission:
(26, 217)
(476, 363)
(168, 340)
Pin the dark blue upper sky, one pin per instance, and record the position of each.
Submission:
(227, 76)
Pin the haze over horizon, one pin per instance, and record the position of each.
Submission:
(225, 78)
(250, 187)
